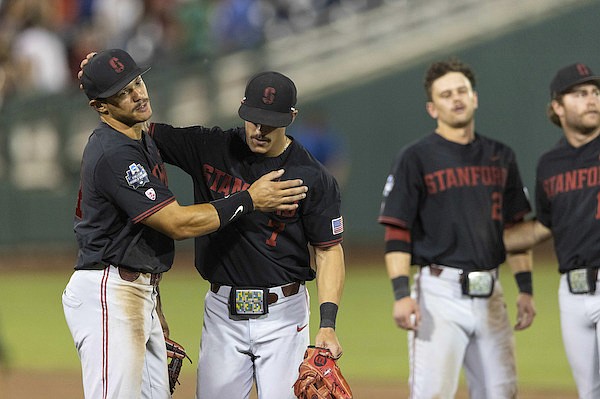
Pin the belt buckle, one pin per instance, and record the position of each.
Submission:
(582, 281)
(478, 284)
(248, 301)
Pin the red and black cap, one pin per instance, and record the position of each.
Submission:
(108, 72)
(269, 99)
(570, 76)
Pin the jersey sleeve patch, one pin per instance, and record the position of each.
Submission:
(151, 194)
(337, 226)
(136, 176)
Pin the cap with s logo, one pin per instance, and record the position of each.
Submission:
(572, 75)
(269, 99)
(108, 72)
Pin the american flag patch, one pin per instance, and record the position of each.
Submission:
(337, 225)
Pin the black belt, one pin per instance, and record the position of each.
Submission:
(286, 290)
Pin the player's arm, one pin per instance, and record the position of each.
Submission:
(397, 262)
(331, 273)
(521, 266)
(525, 235)
(405, 311)
(266, 195)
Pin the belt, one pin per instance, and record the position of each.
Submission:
(286, 290)
(453, 273)
(130, 275)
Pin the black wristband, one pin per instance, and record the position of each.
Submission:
(401, 287)
(231, 208)
(328, 314)
(524, 282)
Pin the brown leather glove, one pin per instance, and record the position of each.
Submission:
(320, 377)
(176, 354)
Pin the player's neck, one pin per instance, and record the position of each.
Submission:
(133, 132)
(577, 138)
(280, 148)
(460, 135)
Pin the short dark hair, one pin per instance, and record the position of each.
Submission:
(440, 68)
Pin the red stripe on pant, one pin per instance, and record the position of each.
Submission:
(103, 302)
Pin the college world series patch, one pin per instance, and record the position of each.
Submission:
(136, 176)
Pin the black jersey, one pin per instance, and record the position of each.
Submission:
(455, 200)
(123, 181)
(259, 249)
(568, 202)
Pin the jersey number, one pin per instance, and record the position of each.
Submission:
(497, 206)
(277, 228)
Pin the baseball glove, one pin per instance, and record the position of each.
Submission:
(176, 354)
(320, 377)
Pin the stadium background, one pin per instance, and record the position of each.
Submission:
(364, 70)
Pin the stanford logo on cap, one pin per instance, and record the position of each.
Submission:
(116, 65)
(583, 70)
(269, 95)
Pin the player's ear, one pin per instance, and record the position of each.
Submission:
(294, 113)
(431, 110)
(99, 106)
(557, 107)
(475, 100)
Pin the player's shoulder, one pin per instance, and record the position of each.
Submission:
(487, 140)
(417, 148)
(308, 166)
(558, 150)
(106, 140)
(495, 145)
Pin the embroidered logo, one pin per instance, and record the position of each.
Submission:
(151, 194)
(337, 225)
(239, 209)
(116, 65)
(389, 184)
(583, 70)
(269, 95)
(136, 176)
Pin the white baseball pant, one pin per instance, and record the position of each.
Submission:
(580, 325)
(267, 349)
(117, 334)
(457, 330)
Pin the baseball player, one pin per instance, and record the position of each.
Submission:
(256, 312)
(125, 222)
(445, 204)
(567, 207)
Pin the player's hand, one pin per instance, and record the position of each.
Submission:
(525, 311)
(268, 194)
(327, 338)
(82, 64)
(406, 313)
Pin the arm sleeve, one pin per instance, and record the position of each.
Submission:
(402, 192)
(126, 178)
(322, 219)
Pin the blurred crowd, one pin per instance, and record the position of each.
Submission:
(43, 41)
